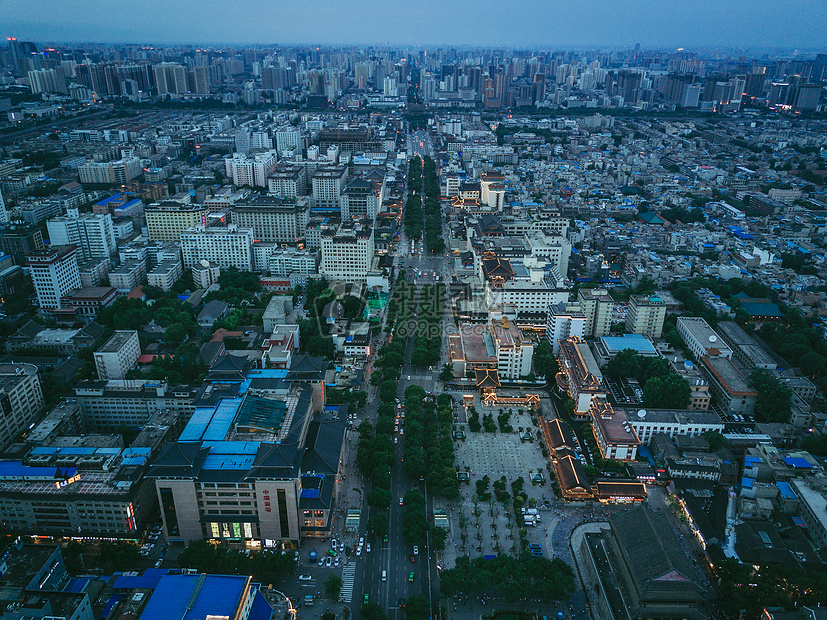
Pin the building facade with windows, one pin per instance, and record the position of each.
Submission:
(226, 247)
(646, 315)
(117, 355)
(272, 218)
(347, 252)
(165, 221)
(21, 400)
(55, 274)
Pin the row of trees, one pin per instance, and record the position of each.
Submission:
(413, 206)
(513, 578)
(265, 566)
(433, 211)
(428, 343)
(375, 452)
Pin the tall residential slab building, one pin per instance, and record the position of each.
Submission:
(597, 306)
(117, 355)
(347, 252)
(645, 316)
(92, 233)
(165, 221)
(21, 399)
(54, 274)
(226, 247)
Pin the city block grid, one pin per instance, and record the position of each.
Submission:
(634, 237)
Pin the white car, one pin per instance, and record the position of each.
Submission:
(328, 562)
(159, 562)
(367, 548)
(336, 561)
(416, 550)
(361, 541)
(359, 550)
(305, 577)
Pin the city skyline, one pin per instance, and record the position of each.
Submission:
(529, 23)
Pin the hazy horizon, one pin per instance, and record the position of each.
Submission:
(736, 24)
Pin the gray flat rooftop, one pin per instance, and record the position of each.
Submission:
(116, 342)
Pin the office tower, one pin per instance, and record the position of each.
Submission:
(22, 399)
(118, 355)
(54, 273)
(92, 233)
(691, 95)
(347, 252)
(226, 247)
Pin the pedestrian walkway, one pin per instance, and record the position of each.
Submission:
(348, 576)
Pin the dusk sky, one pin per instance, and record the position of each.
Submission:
(522, 23)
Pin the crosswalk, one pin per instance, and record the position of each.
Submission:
(348, 576)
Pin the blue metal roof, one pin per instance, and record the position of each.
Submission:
(747, 483)
(231, 455)
(130, 582)
(786, 490)
(113, 600)
(261, 609)
(211, 424)
(76, 584)
(636, 342)
(798, 462)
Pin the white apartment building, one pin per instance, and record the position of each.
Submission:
(646, 315)
(597, 305)
(701, 339)
(328, 183)
(54, 273)
(22, 400)
(120, 171)
(118, 355)
(673, 422)
(290, 261)
(288, 139)
(565, 319)
(514, 354)
(166, 220)
(226, 247)
(128, 275)
(492, 191)
(288, 181)
(360, 199)
(553, 248)
(549, 224)
(165, 274)
(532, 297)
(250, 170)
(92, 233)
(347, 252)
(205, 274)
(273, 219)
